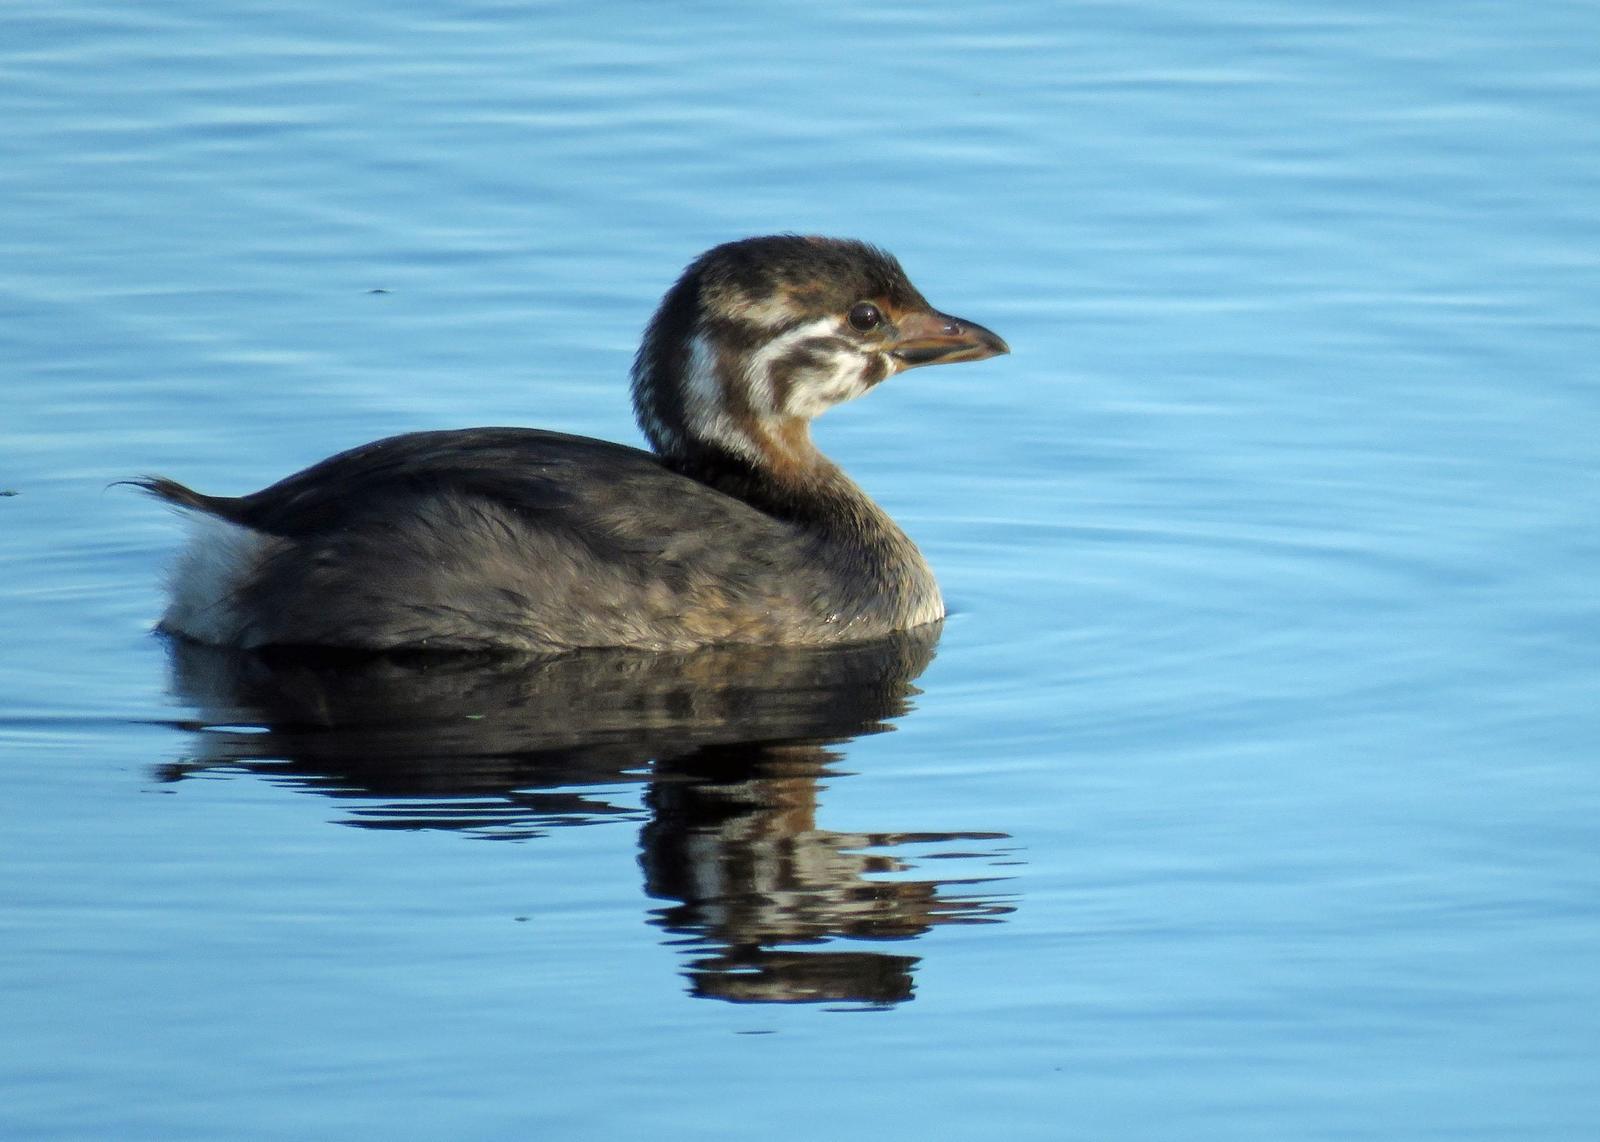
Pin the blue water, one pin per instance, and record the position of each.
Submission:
(1251, 792)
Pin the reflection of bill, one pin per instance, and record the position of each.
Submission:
(730, 744)
(734, 838)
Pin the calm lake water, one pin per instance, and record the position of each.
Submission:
(1250, 792)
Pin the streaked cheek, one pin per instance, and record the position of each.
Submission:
(814, 383)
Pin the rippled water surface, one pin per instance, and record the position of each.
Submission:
(1249, 792)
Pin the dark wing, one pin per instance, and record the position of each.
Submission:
(521, 467)
(512, 537)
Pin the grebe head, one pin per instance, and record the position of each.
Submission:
(760, 336)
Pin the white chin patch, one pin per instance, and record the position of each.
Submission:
(833, 379)
(817, 392)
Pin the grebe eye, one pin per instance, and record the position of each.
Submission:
(864, 316)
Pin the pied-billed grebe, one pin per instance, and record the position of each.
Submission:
(736, 530)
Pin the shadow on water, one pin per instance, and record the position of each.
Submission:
(729, 745)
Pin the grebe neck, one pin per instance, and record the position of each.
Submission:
(723, 417)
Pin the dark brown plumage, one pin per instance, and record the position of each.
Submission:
(736, 530)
